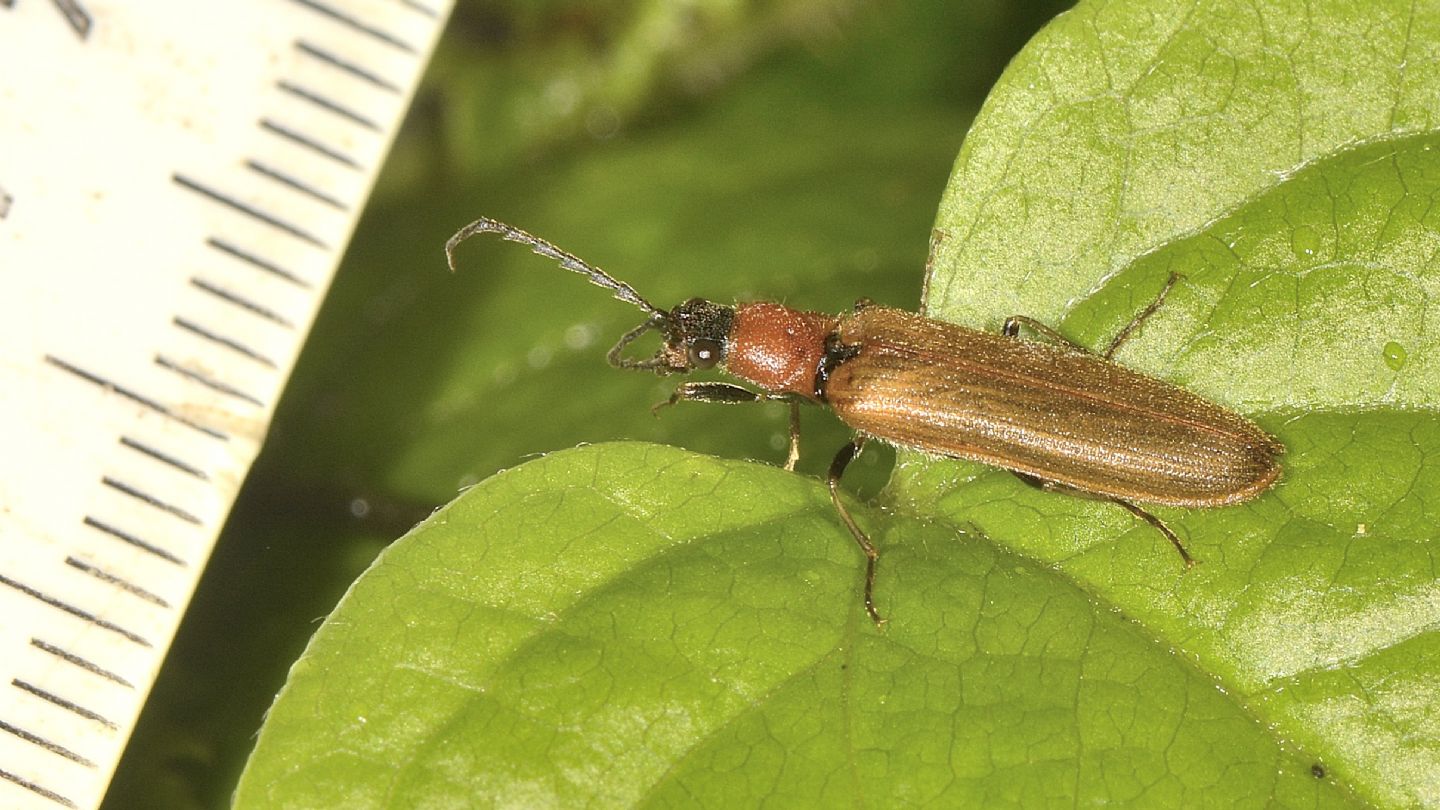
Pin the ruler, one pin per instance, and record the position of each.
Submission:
(177, 183)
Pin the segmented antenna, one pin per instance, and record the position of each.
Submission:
(570, 262)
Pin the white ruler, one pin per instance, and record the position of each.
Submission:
(177, 183)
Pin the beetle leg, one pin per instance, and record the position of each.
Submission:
(724, 393)
(794, 453)
(728, 394)
(842, 460)
(1053, 486)
(1140, 318)
(1159, 526)
(1014, 322)
(937, 238)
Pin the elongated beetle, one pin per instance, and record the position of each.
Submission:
(1056, 414)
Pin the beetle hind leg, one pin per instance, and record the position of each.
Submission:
(1159, 525)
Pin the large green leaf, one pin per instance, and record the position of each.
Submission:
(1286, 166)
(635, 625)
(629, 624)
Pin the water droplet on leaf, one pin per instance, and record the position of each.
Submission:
(1395, 355)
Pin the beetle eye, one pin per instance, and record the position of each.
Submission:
(704, 353)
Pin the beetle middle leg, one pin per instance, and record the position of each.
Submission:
(1140, 317)
(1052, 486)
(847, 454)
(937, 238)
(1014, 322)
(728, 394)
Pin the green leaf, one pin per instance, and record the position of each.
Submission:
(635, 625)
(629, 624)
(1286, 166)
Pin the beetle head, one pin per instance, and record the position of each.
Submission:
(696, 335)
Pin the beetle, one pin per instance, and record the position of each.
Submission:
(1059, 416)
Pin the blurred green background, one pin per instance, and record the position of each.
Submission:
(792, 150)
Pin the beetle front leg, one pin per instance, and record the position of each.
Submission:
(728, 394)
(724, 393)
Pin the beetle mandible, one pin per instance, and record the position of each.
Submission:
(1056, 414)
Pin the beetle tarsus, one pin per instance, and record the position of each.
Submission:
(875, 616)
(937, 238)
(727, 394)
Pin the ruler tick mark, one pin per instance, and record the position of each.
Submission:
(242, 302)
(309, 143)
(67, 705)
(52, 747)
(145, 497)
(357, 24)
(248, 210)
(297, 185)
(252, 259)
(229, 343)
(76, 15)
(66, 607)
(326, 104)
(133, 540)
(83, 663)
(119, 582)
(133, 396)
(209, 382)
(36, 789)
(420, 7)
(361, 73)
(147, 450)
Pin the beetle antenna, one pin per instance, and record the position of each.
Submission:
(569, 261)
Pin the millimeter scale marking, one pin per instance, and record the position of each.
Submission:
(176, 187)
